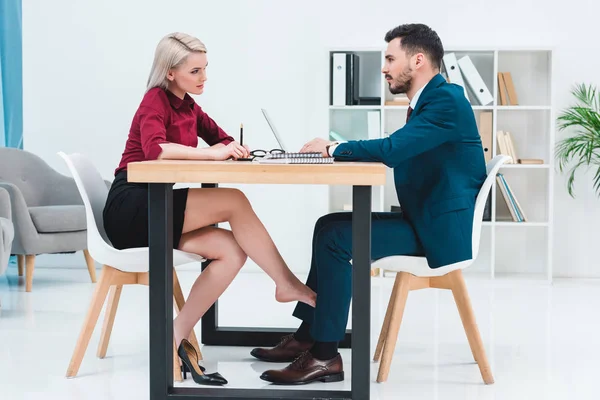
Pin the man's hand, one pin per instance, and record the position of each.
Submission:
(317, 145)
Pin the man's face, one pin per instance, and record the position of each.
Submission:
(397, 68)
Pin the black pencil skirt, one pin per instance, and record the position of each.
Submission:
(125, 213)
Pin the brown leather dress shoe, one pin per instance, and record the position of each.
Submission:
(285, 351)
(307, 369)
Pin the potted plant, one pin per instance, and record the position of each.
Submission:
(583, 147)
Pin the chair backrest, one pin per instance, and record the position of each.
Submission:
(39, 183)
(492, 168)
(94, 192)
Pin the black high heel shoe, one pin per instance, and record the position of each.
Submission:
(188, 355)
(184, 369)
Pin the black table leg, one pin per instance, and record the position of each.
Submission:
(160, 225)
(361, 292)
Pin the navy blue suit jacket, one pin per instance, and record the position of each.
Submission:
(439, 167)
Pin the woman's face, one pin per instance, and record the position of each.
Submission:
(190, 76)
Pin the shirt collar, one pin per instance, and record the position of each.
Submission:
(415, 99)
(176, 102)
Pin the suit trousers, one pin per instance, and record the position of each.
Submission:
(330, 273)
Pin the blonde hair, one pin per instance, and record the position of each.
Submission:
(171, 52)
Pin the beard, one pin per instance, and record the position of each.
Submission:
(402, 83)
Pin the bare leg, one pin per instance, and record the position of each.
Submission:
(227, 257)
(209, 206)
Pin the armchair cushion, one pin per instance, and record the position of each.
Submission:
(53, 219)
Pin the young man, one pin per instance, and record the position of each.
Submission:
(439, 167)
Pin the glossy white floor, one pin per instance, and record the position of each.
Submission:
(542, 340)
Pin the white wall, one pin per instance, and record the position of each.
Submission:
(86, 64)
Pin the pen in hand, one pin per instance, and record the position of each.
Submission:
(242, 134)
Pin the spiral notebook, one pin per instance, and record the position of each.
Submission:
(295, 158)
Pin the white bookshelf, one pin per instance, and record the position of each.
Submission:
(508, 249)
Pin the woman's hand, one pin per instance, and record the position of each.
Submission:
(232, 150)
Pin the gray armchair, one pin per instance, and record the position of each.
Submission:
(7, 232)
(47, 211)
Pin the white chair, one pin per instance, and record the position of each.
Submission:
(120, 267)
(413, 273)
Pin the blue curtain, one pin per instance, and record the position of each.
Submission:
(11, 74)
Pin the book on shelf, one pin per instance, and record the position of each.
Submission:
(336, 136)
(530, 161)
(506, 89)
(506, 146)
(514, 207)
(401, 100)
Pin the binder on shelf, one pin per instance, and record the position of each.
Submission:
(475, 81)
(485, 131)
(344, 79)
(453, 71)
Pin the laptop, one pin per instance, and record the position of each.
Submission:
(282, 147)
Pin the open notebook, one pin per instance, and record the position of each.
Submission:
(287, 157)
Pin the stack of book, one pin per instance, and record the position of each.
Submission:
(506, 146)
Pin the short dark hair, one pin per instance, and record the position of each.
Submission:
(418, 38)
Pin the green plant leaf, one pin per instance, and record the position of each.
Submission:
(583, 147)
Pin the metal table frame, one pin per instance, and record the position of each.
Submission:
(161, 312)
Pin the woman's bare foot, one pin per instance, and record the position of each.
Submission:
(296, 292)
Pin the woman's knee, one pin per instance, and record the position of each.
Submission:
(231, 251)
(237, 197)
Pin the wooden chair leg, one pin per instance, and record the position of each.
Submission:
(401, 286)
(176, 365)
(90, 320)
(20, 263)
(463, 303)
(29, 266)
(386, 324)
(179, 303)
(91, 264)
(109, 319)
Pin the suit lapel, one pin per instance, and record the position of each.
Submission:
(435, 82)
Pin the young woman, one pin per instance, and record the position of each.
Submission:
(167, 125)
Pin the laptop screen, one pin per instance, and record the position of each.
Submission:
(274, 130)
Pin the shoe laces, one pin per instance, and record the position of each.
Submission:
(301, 360)
(285, 339)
